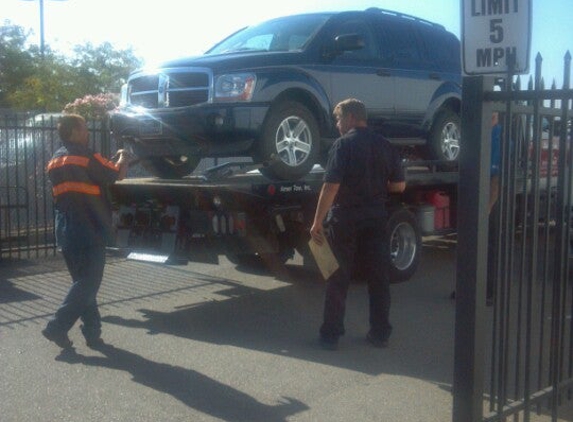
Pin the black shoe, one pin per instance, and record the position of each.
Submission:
(328, 343)
(58, 337)
(377, 341)
(95, 343)
(93, 337)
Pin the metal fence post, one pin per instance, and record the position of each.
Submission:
(473, 195)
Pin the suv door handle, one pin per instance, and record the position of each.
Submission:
(435, 76)
(383, 72)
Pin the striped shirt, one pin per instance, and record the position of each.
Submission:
(79, 180)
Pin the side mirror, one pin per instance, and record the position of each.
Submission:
(348, 42)
(342, 43)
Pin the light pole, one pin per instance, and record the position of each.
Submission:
(42, 42)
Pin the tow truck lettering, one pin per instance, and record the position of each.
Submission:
(295, 188)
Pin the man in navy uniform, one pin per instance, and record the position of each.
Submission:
(362, 169)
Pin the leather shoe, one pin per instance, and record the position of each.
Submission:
(95, 343)
(58, 337)
(376, 341)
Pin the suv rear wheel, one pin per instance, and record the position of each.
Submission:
(444, 140)
(289, 142)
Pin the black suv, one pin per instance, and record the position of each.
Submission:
(268, 92)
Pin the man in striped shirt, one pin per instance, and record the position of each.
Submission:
(83, 224)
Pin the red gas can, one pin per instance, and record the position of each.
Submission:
(441, 202)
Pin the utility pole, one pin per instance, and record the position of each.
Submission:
(42, 33)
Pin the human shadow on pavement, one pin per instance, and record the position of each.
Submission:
(10, 293)
(285, 320)
(190, 387)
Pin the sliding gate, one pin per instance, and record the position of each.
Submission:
(514, 341)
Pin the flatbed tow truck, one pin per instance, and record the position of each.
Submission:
(233, 210)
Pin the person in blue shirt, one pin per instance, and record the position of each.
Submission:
(495, 161)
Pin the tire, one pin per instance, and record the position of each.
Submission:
(290, 142)
(445, 136)
(170, 167)
(405, 244)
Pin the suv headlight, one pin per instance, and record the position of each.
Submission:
(235, 87)
(123, 98)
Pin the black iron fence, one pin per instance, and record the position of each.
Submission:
(514, 358)
(27, 143)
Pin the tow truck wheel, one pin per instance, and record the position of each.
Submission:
(170, 167)
(290, 142)
(405, 244)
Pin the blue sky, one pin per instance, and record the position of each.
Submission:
(159, 30)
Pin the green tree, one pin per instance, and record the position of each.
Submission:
(101, 68)
(31, 82)
(48, 88)
(16, 61)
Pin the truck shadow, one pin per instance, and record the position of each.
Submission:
(188, 386)
(285, 321)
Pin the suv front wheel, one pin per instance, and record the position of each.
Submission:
(290, 142)
(444, 140)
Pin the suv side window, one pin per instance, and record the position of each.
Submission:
(359, 27)
(399, 45)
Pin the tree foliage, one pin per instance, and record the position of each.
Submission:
(30, 81)
(101, 68)
(16, 62)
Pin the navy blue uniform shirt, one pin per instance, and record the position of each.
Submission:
(363, 162)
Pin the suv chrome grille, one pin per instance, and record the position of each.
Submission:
(170, 88)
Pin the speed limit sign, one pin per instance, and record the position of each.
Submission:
(495, 34)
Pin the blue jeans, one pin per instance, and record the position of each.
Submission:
(86, 267)
(363, 242)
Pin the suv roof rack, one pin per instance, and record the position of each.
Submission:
(404, 16)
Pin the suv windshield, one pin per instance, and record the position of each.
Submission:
(282, 34)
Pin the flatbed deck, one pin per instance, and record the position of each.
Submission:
(417, 174)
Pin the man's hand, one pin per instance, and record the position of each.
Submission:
(326, 198)
(123, 156)
(316, 232)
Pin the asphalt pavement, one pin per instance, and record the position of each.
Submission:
(216, 342)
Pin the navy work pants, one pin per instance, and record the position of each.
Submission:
(364, 242)
(86, 266)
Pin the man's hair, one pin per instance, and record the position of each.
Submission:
(351, 106)
(67, 123)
